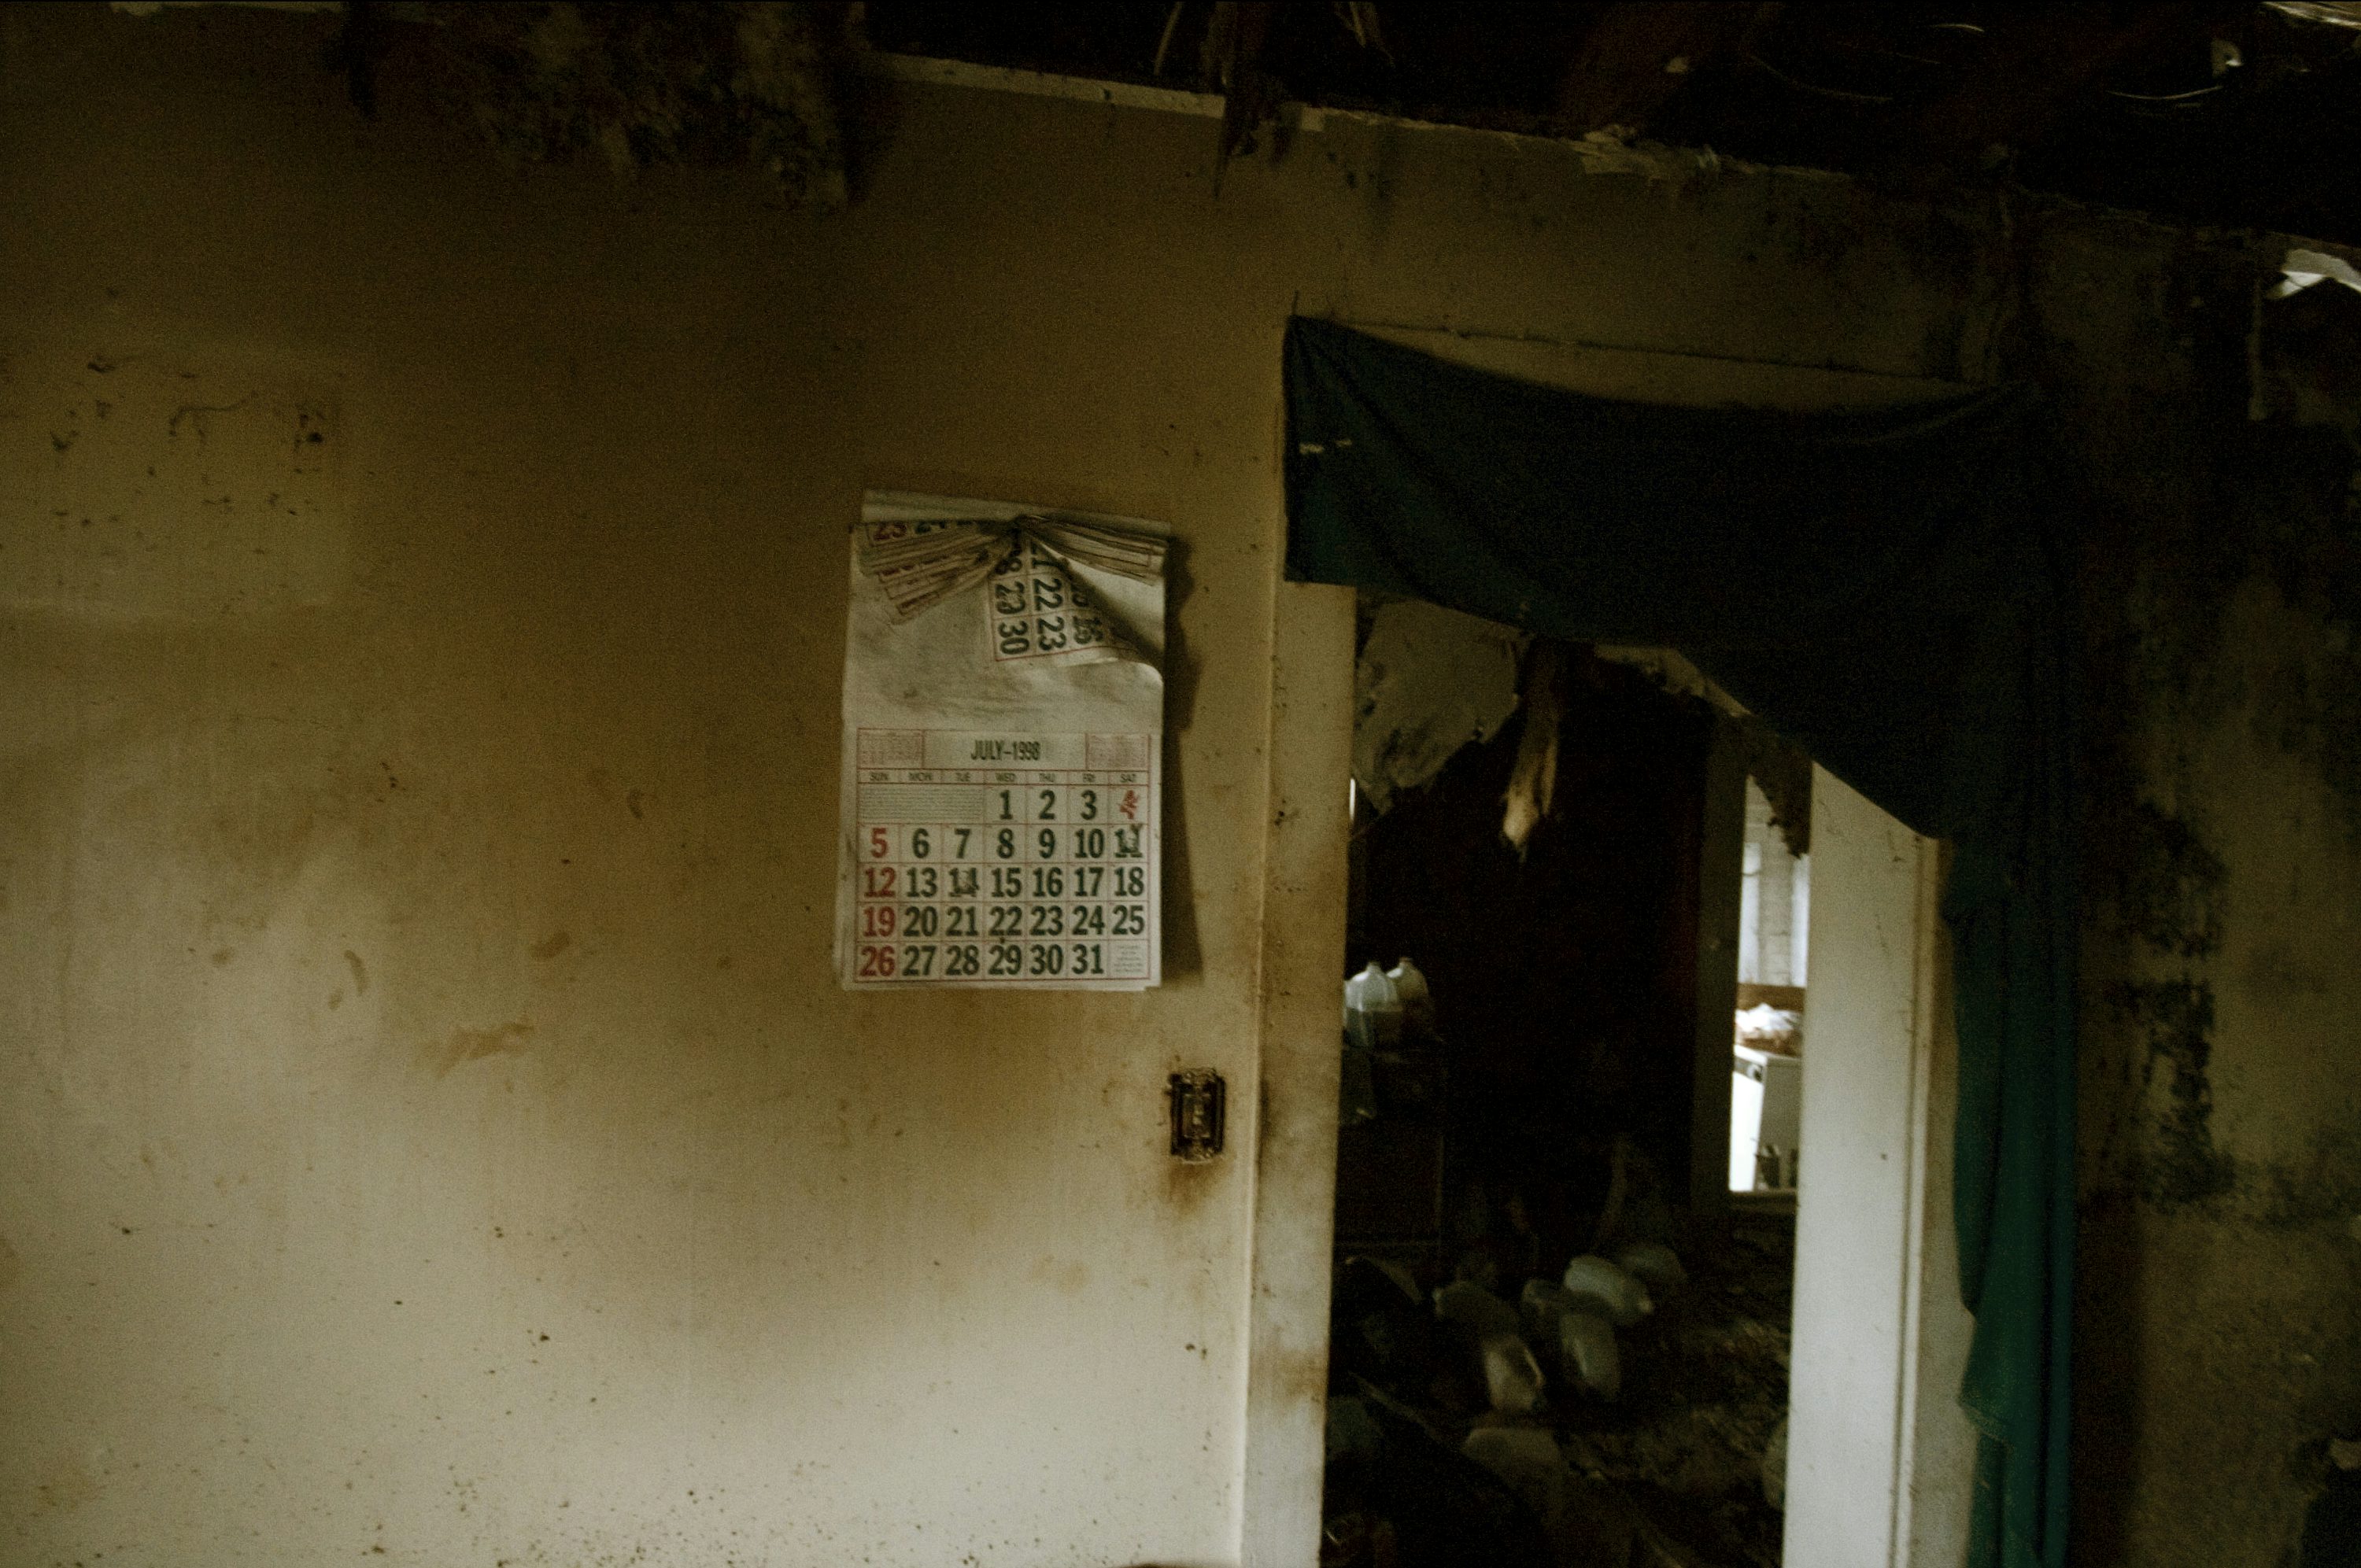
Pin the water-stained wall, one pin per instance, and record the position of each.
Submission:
(431, 1122)
(433, 1125)
(2220, 1290)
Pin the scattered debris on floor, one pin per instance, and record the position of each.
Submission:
(1626, 1411)
(1547, 1350)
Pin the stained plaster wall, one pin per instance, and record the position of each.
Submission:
(2220, 1289)
(431, 1124)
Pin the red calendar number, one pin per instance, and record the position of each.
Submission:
(876, 963)
(877, 920)
(880, 845)
(877, 881)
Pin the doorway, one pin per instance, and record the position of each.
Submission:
(1858, 1360)
(1550, 1330)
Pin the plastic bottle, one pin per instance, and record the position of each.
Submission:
(1373, 1014)
(1411, 990)
(1623, 1298)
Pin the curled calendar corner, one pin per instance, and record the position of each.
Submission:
(1130, 552)
(1041, 607)
(921, 562)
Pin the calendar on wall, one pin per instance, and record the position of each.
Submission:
(1002, 725)
(1004, 856)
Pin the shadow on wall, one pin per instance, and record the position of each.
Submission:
(1183, 956)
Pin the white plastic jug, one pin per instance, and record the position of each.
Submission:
(1621, 1298)
(1411, 993)
(1373, 1014)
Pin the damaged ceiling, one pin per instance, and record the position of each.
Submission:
(2236, 114)
(710, 83)
(2241, 115)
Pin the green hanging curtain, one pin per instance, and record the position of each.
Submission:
(1920, 651)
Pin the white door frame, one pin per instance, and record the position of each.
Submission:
(1880, 1455)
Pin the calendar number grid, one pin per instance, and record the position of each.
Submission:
(1008, 876)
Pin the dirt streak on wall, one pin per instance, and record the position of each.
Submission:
(430, 1122)
(2215, 434)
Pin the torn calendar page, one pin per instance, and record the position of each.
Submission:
(1004, 721)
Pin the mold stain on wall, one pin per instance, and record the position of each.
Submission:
(2216, 436)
